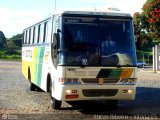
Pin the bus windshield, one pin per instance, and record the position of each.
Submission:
(97, 41)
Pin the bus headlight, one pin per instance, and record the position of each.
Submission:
(68, 91)
(128, 91)
(128, 81)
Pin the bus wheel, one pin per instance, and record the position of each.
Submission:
(112, 103)
(56, 104)
(32, 87)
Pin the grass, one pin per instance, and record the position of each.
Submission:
(10, 54)
(10, 57)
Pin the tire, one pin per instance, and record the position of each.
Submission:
(112, 103)
(32, 87)
(56, 104)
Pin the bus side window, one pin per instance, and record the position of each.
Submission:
(36, 35)
(29, 37)
(33, 35)
(23, 37)
(41, 33)
(39, 29)
(45, 31)
(26, 36)
(48, 31)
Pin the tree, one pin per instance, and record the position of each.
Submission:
(15, 41)
(2, 40)
(140, 25)
(151, 12)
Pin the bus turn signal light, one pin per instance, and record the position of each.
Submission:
(72, 96)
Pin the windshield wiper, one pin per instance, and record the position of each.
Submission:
(127, 65)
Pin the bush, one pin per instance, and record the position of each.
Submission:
(8, 54)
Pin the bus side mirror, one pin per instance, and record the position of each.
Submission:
(55, 44)
(55, 47)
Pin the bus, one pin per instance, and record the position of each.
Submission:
(65, 55)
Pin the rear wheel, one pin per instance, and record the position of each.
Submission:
(56, 104)
(32, 87)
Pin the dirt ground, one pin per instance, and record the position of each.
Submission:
(17, 102)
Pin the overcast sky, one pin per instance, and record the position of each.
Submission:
(19, 14)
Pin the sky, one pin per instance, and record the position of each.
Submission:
(16, 15)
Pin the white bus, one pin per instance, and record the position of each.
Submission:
(66, 56)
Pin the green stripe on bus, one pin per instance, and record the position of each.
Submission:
(39, 65)
(115, 74)
(110, 73)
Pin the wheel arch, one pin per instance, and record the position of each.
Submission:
(29, 74)
(48, 81)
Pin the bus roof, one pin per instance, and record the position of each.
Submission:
(108, 12)
(94, 12)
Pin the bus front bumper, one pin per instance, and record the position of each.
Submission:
(95, 92)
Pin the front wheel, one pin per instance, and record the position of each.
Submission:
(112, 103)
(32, 87)
(56, 104)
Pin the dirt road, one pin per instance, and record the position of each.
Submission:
(17, 102)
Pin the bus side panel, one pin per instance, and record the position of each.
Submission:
(26, 60)
(39, 65)
(45, 68)
(25, 68)
(32, 59)
(36, 61)
(33, 69)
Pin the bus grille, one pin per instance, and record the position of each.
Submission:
(96, 80)
(99, 92)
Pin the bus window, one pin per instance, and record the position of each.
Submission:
(29, 39)
(44, 35)
(23, 37)
(28, 33)
(33, 35)
(36, 35)
(41, 33)
(39, 29)
(48, 31)
(26, 37)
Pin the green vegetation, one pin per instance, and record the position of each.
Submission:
(2, 40)
(10, 48)
(147, 29)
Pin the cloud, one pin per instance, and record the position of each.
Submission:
(128, 6)
(13, 22)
